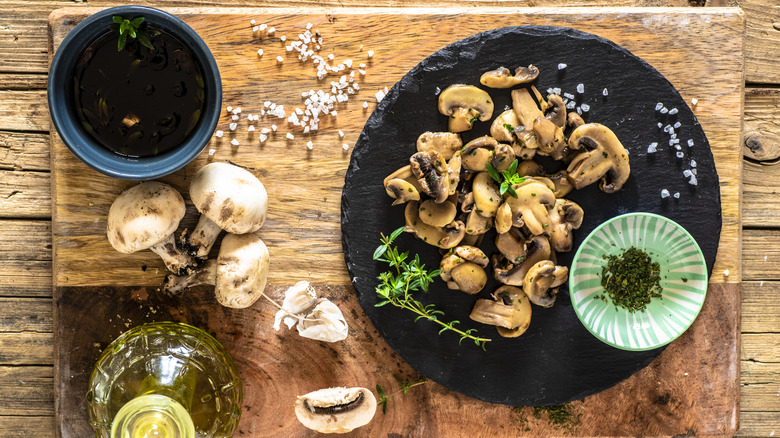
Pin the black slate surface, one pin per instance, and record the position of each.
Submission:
(557, 359)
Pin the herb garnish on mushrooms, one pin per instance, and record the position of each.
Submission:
(506, 178)
(411, 276)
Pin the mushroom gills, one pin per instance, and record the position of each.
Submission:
(336, 410)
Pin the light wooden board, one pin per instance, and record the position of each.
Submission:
(699, 51)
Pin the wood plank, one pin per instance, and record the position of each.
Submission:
(25, 278)
(26, 391)
(761, 255)
(761, 347)
(762, 40)
(760, 307)
(25, 194)
(27, 426)
(24, 151)
(761, 133)
(26, 315)
(22, 81)
(25, 240)
(758, 396)
(26, 348)
(24, 110)
(754, 424)
(761, 183)
(754, 372)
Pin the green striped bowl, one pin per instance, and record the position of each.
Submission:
(683, 279)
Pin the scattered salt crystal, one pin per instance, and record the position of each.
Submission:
(263, 27)
(687, 173)
(365, 104)
(436, 91)
(271, 30)
(658, 106)
(252, 22)
(660, 124)
(379, 95)
(693, 163)
(233, 126)
(556, 90)
(263, 138)
(571, 104)
(677, 124)
(680, 155)
(237, 110)
(309, 145)
(568, 95)
(673, 111)
(579, 110)
(585, 107)
(267, 103)
(604, 92)
(694, 101)
(212, 152)
(290, 136)
(580, 88)
(362, 72)
(251, 128)
(273, 128)
(678, 147)
(331, 57)
(664, 110)
(652, 148)
(561, 66)
(370, 53)
(348, 63)
(309, 26)
(284, 38)
(279, 59)
(726, 272)
(693, 181)
(677, 196)
(664, 194)
(306, 129)
(690, 143)
(229, 109)
(234, 117)
(255, 29)
(693, 171)
(345, 146)
(219, 134)
(341, 133)
(234, 142)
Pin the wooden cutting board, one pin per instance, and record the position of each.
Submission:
(692, 388)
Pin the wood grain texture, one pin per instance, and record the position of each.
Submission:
(24, 151)
(762, 262)
(761, 133)
(26, 391)
(760, 307)
(27, 426)
(302, 230)
(24, 110)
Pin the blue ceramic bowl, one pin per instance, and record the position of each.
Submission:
(63, 109)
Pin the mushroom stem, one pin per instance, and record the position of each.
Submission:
(175, 260)
(202, 238)
(205, 275)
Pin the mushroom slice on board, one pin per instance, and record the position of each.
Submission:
(432, 173)
(574, 120)
(503, 220)
(465, 104)
(487, 199)
(542, 281)
(463, 269)
(533, 198)
(509, 310)
(336, 410)
(445, 237)
(482, 150)
(503, 126)
(537, 249)
(565, 216)
(502, 77)
(239, 273)
(512, 245)
(437, 214)
(602, 157)
(402, 186)
(145, 217)
(551, 140)
(229, 198)
(556, 111)
(445, 143)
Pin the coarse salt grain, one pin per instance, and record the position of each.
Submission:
(571, 104)
(234, 117)
(561, 66)
(290, 136)
(251, 128)
(658, 106)
(652, 148)
(279, 59)
(263, 27)
(673, 111)
(693, 180)
(664, 110)
(265, 130)
(690, 142)
(370, 53)
(365, 104)
(271, 30)
(680, 154)
(234, 142)
(693, 163)
(252, 22)
(219, 134)
(580, 88)
(341, 134)
(568, 95)
(255, 29)
(726, 272)
(309, 145)
(585, 107)
(664, 193)
(263, 138)
(604, 92)
(687, 173)
(212, 152)
(677, 124)
(229, 109)
(677, 196)
(233, 126)
(660, 124)
(284, 38)
(345, 146)
(694, 101)
(273, 128)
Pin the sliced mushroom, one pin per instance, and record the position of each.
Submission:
(437, 214)
(509, 310)
(501, 77)
(468, 277)
(564, 217)
(525, 107)
(454, 165)
(533, 199)
(486, 196)
(472, 254)
(229, 198)
(402, 186)
(445, 143)
(556, 112)
(530, 168)
(336, 410)
(465, 104)
(575, 120)
(551, 140)
(477, 223)
(432, 172)
(145, 216)
(536, 249)
(601, 156)
(503, 126)
(442, 237)
(478, 152)
(512, 245)
(542, 281)
(239, 273)
(562, 184)
(503, 220)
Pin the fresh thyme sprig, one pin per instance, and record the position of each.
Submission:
(405, 387)
(411, 276)
(131, 29)
(506, 178)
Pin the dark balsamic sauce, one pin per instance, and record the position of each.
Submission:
(139, 102)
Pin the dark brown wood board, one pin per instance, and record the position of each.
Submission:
(692, 388)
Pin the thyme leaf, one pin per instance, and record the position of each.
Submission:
(405, 387)
(407, 276)
(131, 29)
(506, 178)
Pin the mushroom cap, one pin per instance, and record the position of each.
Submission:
(533, 197)
(444, 237)
(242, 270)
(437, 214)
(445, 143)
(230, 196)
(509, 309)
(501, 77)
(466, 96)
(503, 126)
(602, 157)
(537, 249)
(468, 277)
(541, 281)
(336, 410)
(556, 110)
(432, 173)
(487, 198)
(143, 215)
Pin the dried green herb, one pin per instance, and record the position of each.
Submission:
(560, 416)
(410, 276)
(631, 279)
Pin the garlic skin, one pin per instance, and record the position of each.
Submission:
(317, 319)
(330, 325)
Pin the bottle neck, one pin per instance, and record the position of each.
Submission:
(152, 416)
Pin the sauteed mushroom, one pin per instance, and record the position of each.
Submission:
(465, 104)
(601, 156)
(501, 77)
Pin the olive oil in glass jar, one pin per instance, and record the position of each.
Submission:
(164, 380)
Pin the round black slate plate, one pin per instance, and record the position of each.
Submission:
(557, 359)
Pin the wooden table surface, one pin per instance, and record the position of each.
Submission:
(26, 327)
